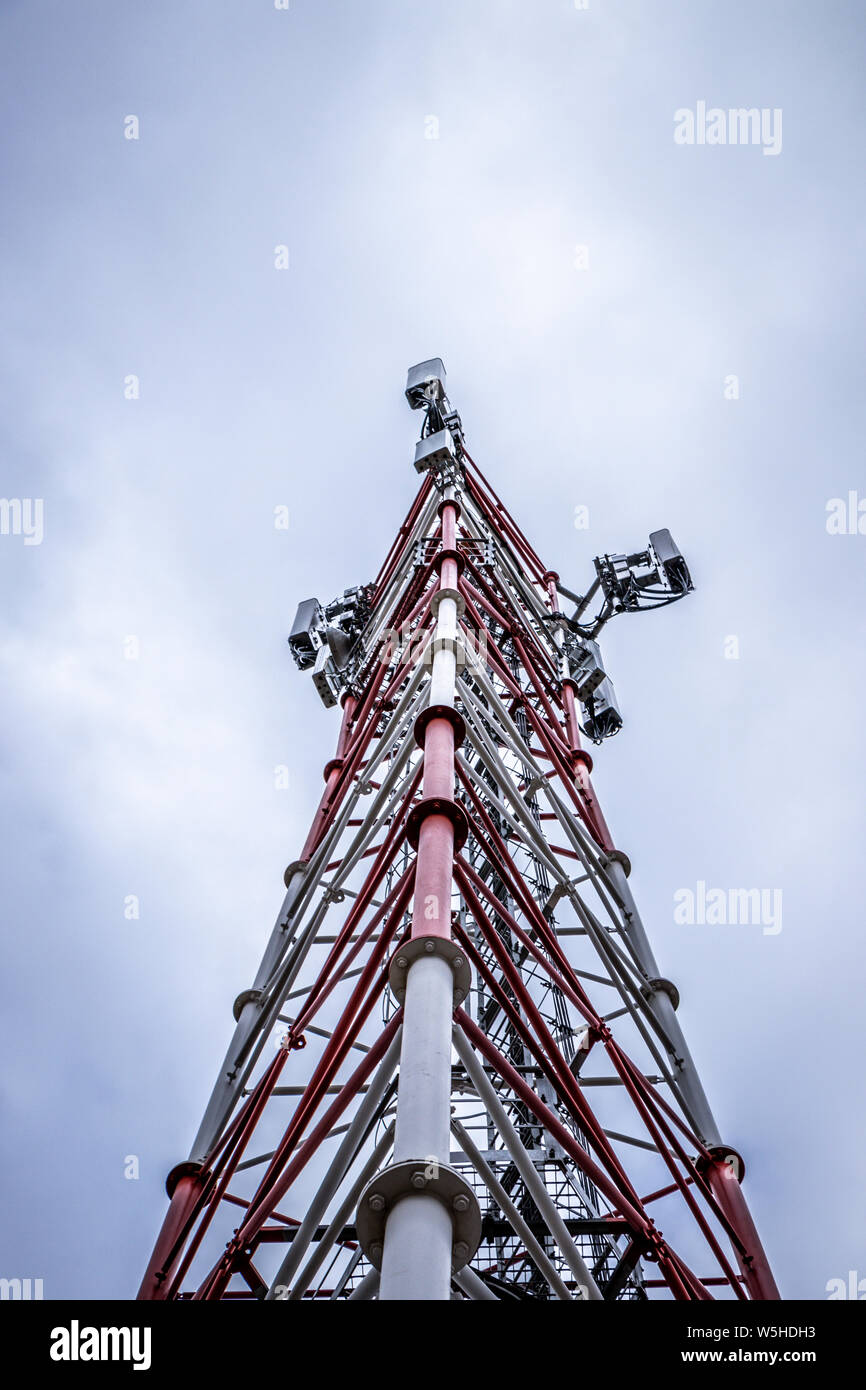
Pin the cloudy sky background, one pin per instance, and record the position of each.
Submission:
(601, 387)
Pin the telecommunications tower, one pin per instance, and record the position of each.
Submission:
(459, 1072)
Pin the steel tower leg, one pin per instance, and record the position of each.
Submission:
(163, 1261)
(724, 1178)
(662, 1006)
(726, 1171)
(420, 1221)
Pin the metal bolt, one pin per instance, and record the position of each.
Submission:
(429, 947)
(402, 962)
(461, 1202)
(376, 1201)
(457, 962)
(419, 1180)
(461, 1250)
(376, 1250)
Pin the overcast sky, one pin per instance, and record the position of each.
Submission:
(497, 182)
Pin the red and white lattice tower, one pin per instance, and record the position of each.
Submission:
(459, 1071)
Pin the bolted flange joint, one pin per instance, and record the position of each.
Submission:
(438, 806)
(662, 986)
(419, 946)
(296, 866)
(577, 756)
(455, 555)
(411, 1178)
(441, 594)
(246, 996)
(188, 1169)
(617, 856)
(449, 502)
(455, 719)
(726, 1158)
